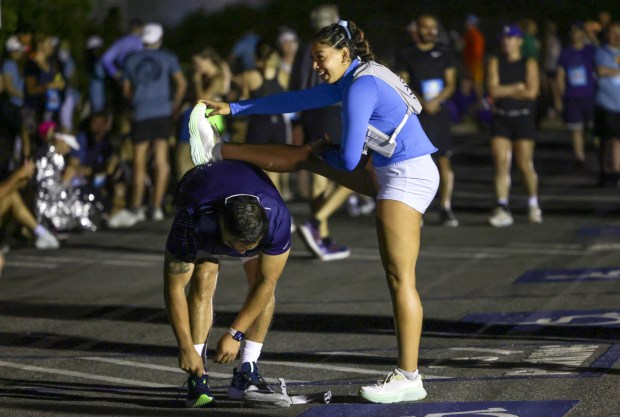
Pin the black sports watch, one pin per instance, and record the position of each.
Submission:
(237, 335)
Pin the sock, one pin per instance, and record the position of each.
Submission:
(532, 201)
(200, 349)
(446, 206)
(411, 376)
(40, 230)
(250, 352)
(502, 202)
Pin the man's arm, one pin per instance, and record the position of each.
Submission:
(180, 84)
(269, 272)
(176, 276)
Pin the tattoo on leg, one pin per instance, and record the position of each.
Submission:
(176, 267)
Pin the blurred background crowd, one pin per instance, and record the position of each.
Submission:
(84, 144)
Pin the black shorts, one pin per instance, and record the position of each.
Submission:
(578, 112)
(151, 129)
(437, 128)
(514, 127)
(607, 123)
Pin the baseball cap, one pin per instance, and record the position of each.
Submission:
(94, 42)
(69, 140)
(152, 33)
(13, 44)
(510, 31)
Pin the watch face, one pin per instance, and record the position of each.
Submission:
(238, 336)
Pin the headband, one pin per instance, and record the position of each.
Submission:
(345, 25)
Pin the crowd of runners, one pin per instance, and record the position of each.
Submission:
(353, 130)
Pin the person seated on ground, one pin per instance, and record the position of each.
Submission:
(12, 203)
(97, 162)
(225, 208)
(60, 199)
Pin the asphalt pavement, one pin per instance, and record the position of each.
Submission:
(520, 321)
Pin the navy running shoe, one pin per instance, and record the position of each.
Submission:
(198, 392)
(249, 386)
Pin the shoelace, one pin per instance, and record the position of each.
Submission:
(387, 379)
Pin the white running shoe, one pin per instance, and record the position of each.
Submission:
(46, 240)
(202, 138)
(535, 215)
(123, 218)
(395, 388)
(158, 215)
(501, 217)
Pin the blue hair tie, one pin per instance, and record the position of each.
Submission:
(345, 25)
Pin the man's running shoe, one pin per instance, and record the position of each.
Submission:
(501, 217)
(249, 386)
(202, 138)
(198, 392)
(535, 214)
(394, 389)
(447, 218)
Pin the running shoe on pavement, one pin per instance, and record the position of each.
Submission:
(202, 138)
(332, 251)
(501, 217)
(535, 214)
(123, 218)
(198, 392)
(249, 386)
(46, 240)
(447, 218)
(324, 249)
(395, 388)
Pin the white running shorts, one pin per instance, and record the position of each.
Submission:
(413, 182)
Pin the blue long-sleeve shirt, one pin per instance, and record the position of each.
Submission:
(365, 100)
(113, 58)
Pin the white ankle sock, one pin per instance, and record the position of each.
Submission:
(250, 352)
(532, 201)
(411, 376)
(199, 349)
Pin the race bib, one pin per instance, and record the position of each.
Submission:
(432, 88)
(52, 100)
(577, 76)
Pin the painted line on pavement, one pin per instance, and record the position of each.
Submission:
(83, 375)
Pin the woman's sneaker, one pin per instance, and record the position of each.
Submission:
(324, 249)
(198, 392)
(395, 388)
(501, 217)
(535, 214)
(249, 386)
(202, 136)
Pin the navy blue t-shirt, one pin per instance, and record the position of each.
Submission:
(201, 196)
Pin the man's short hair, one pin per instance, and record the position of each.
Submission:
(244, 218)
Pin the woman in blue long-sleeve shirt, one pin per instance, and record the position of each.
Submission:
(405, 180)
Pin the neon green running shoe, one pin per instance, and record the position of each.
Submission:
(198, 392)
(202, 136)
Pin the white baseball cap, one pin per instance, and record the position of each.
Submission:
(13, 44)
(69, 140)
(152, 33)
(94, 42)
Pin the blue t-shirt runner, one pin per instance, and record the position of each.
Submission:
(578, 64)
(150, 71)
(202, 194)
